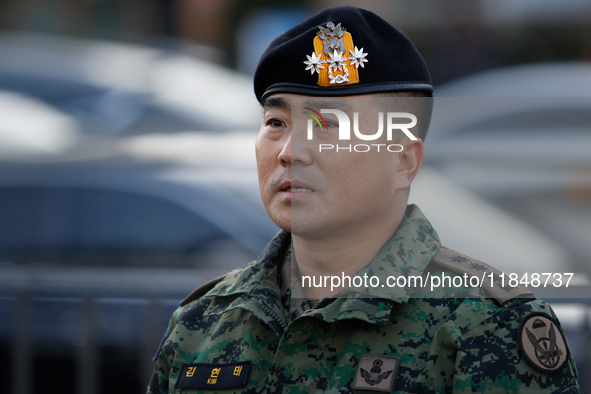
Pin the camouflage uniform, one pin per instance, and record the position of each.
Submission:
(455, 341)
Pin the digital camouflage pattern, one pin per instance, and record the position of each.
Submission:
(455, 341)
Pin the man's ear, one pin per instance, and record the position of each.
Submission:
(410, 160)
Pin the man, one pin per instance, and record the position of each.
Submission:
(338, 190)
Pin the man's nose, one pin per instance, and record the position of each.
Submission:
(295, 152)
(285, 154)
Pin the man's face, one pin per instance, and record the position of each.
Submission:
(314, 193)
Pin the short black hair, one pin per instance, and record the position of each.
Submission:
(419, 104)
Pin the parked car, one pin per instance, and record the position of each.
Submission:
(127, 179)
(519, 137)
(99, 245)
(108, 88)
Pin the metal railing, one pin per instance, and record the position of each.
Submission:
(88, 376)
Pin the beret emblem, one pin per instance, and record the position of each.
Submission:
(331, 45)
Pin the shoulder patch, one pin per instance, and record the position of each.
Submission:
(201, 290)
(459, 263)
(542, 343)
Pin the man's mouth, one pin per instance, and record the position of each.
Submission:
(295, 187)
(298, 190)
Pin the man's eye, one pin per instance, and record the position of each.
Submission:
(328, 124)
(275, 123)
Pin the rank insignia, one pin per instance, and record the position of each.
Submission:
(335, 58)
(542, 343)
(375, 374)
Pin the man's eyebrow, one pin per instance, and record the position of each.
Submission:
(329, 104)
(276, 102)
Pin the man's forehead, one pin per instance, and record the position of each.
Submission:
(277, 101)
(287, 101)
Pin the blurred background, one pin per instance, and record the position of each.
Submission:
(128, 178)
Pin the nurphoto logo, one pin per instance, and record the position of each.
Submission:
(392, 125)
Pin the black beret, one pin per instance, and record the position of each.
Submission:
(341, 51)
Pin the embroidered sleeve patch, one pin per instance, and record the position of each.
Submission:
(376, 374)
(542, 343)
(214, 376)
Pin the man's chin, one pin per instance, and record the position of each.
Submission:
(298, 221)
(298, 228)
(283, 222)
(295, 227)
(309, 230)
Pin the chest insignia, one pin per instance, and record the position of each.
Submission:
(542, 343)
(376, 374)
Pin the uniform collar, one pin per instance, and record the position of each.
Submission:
(256, 286)
(407, 253)
(259, 276)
